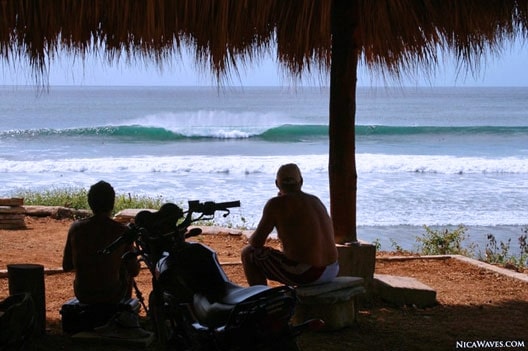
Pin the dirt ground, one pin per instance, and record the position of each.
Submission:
(474, 304)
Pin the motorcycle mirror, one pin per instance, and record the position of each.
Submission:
(193, 232)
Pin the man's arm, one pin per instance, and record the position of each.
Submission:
(67, 257)
(131, 262)
(264, 228)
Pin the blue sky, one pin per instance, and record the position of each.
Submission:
(508, 69)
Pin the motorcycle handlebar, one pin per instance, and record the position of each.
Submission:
(127, 238)
(226, 205)
(209, 207)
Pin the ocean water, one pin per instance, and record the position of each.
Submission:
(425, 156)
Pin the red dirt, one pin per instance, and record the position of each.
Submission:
(475, 304)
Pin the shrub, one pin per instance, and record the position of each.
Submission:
(443, 242)
(499, 253)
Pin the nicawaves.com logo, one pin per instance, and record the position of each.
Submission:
(487, 344)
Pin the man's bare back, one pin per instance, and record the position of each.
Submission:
(95, 274)
(306, 233)
(303, 227)
(99, 278)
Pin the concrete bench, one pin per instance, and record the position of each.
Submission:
(334, 302)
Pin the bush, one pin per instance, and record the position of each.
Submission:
(499, 253)
(443, 242)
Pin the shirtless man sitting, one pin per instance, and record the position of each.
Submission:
(99, 279)
(309, 254)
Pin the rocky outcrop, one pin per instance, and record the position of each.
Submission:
(56, 212)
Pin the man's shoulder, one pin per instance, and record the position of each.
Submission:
(80, 222)
(94, 220)
(297, 195)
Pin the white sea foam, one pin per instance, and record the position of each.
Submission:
(244, 165)
(214, 123)
(381, 163)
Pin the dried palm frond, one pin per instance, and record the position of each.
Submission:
(391, 35)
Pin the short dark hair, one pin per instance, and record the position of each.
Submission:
(101, 197)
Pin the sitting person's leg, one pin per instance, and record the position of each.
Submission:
(267, 263)
(254, 273)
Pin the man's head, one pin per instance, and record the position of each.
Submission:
(101, 197)
(289, 178)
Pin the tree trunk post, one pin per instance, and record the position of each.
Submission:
(342, 159)
(355, 258)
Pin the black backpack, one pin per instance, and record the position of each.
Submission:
(17, 322)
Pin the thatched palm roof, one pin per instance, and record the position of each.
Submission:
(391, 34)
(309, 35)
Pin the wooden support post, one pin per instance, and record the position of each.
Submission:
(29, 278)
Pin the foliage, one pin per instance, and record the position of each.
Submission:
(443, 242)
(66, 197)
(377, 244)
(77, 198)
(123, 201)
(499, 253)
(397, 248)
(496, 252)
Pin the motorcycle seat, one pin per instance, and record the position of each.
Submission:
(214, 313)
(235, 294)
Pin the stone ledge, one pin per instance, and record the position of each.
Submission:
(403, 291)
(504, 271)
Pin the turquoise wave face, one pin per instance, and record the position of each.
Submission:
(292, 133)
(120, 132)
(282, 133)
(425, 130)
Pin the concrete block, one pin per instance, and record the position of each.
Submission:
(358, 260)
(403, 291)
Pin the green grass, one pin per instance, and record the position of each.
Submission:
(77, 198)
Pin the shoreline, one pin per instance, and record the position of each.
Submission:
(386, 237)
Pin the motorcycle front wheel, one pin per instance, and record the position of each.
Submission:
(169, 332)
(288, 345)
(284, 344)
(158, 318)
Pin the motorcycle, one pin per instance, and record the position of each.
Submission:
(193, 305)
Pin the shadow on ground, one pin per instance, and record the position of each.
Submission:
(385, 327)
